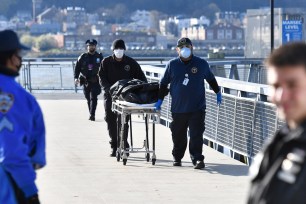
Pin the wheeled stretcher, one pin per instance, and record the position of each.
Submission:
(125, 110)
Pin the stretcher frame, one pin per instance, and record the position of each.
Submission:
(124, 111)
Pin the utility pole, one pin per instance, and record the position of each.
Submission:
(34, 11)
(272, 24)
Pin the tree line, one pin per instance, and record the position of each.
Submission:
(171, 7)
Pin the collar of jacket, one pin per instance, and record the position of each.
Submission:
(9, 72)
(186, 62)
(298, 133)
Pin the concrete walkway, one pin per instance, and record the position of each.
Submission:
(80, 171)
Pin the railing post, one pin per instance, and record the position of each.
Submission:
(253, 74)
(233, 72)
(29, 78)
(61, 77)
(75, 86)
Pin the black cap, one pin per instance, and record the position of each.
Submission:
(10, 41)
(183, 41)
(91, 42)
(118, 43)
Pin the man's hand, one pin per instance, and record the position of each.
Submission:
(76, 82)
(158, 104)
(219, 98)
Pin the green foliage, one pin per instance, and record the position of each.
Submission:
(45, 42)
(28, 40)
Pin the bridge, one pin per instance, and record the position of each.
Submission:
(80, 170)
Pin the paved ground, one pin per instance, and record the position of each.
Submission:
(80, 171)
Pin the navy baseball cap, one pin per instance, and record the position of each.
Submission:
(91, 42)
(10, 41)
(183, 41)
(118, 43)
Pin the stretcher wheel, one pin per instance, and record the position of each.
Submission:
(124, 161)
(118, 156)
(148, 157)
(153, 161)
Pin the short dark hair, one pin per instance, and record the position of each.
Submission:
(5, 55)
(291, 54)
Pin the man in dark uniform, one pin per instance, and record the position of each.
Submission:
(278, 173)
(114, 68)
(86, 74)
(186, 75)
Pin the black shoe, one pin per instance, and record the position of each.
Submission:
(92, 118)
(113, 153)
(199, 165)
(177, 163)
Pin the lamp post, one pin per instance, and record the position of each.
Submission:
(272, 24)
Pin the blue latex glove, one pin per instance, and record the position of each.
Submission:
(219, 98)
(158, 104)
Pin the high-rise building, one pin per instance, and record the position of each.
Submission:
(289, 25)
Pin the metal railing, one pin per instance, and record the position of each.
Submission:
(57, 73)
(241, 124)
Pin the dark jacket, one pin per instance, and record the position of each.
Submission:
(191, 96)
(88, 65)
(112, 71)
(279, 172)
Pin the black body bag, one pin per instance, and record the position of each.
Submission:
(135, 91)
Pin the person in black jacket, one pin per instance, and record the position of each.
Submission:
(113, 68)
(279, 172)
(86, 74)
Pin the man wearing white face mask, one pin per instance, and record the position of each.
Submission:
(186, 76)
(114, 68)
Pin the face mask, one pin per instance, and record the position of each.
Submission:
(119, 53)
(185, 52)
(20, 63)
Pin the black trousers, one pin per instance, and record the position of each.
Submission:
(195, 121)
(113, 121)
(91, 92)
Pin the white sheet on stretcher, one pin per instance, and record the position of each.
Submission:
(125, 103)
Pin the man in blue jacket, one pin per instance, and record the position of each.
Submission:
(22, 129)
(186, 75)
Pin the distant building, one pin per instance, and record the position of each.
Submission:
(195, 32)
(225, 32)
(174, 26)
(77, 42)
(24, 16)
(229, 17)
(289, 25)
(50, 15)
(92, 19)
(142, 18)
(5, 24)
(168, 27)
(75, 16)
(39, 29)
